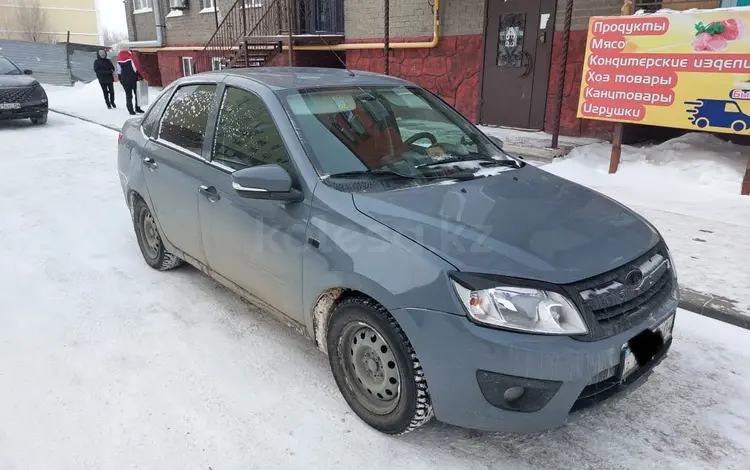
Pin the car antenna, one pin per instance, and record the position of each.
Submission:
(320, 36)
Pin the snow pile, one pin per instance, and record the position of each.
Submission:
(534, 139)
(695, 160)
(689, 188)
(85, 100)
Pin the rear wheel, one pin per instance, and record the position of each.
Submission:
(38, 120)
(702, 123)
(376, 368)
(149, 240)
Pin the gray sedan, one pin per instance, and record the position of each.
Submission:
(441, 276)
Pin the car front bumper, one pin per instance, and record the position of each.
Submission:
(27, 110)
(457, 355)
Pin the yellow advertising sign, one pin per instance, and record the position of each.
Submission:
(687, 70)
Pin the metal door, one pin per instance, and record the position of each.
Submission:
(518, 45)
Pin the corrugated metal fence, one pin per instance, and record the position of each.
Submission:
(55, 64)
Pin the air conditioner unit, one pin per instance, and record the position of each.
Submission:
(178, 4)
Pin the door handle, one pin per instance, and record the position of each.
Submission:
(529, 64)
(210, 192)
(150, 163)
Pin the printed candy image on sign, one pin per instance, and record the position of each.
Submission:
(689, 70)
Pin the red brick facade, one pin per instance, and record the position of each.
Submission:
(452, 70)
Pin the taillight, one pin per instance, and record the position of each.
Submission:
(119, 138)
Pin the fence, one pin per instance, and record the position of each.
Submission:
(55, 64)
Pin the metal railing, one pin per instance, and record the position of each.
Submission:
(262, 25)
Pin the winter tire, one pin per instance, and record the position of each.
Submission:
(149, 240)
(376, 368)
(39, 120)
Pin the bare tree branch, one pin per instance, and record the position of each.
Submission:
(31, 20)
(112, 37)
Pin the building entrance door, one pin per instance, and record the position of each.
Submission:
(517, 51)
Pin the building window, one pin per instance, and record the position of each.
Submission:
(252, 3)
(141, 6)
(648, 5)
(187, 66)
(208, 6)
(216, 63)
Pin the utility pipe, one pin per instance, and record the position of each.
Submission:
(381, 45)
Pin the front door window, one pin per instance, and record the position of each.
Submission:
(510, 40)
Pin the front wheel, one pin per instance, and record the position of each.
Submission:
(149, 240)
(376, 368)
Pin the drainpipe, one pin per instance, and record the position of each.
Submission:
(563, 69)
(159, 42)
(387, 37)
(381, 45)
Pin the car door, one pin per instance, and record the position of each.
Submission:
(257, 244)
(173, 162)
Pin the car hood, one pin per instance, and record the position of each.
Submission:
(523, 223)
(15, 80)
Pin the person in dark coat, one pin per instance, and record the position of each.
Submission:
(105, 73)
(127, 71)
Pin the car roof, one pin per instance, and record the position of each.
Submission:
(293, 78)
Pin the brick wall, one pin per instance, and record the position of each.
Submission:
(144, 24)
(412, 18)
(451, 70)
(193, 27)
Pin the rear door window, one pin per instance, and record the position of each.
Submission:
(184, 121)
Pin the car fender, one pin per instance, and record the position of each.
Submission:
(348, 250)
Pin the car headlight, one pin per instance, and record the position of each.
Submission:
(522, 309)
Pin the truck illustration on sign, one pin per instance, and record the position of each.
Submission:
(726, 114)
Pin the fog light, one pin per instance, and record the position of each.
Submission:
(516, 393)
(513, 394)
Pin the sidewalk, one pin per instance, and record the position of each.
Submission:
(86, 101)
(687, 187)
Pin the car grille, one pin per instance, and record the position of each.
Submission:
(15, 95)
(619, 299)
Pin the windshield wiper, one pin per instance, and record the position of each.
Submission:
(390, 173)
(484, 160)
(360, 173)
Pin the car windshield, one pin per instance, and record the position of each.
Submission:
(8, 68)
(394, 132)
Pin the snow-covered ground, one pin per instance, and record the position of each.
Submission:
(87, 101)
(108, 364)
(689, 189)
(534, 139)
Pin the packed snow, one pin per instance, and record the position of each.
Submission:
(85, 100)
(106, 363)
(688, 187)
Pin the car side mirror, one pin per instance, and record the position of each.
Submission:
(28, 71)
(270, 182)
(496, 141)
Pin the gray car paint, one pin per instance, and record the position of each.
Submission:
(390, 247)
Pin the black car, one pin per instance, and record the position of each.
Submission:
(21, 96)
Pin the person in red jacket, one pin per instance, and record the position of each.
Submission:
(128, 74)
